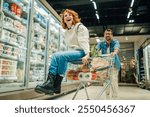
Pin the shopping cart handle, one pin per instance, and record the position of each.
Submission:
(103, 68)
(104, 55)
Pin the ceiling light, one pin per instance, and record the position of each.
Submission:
(95, 6)
(132, 3)
(131, 21)
(97, 16)
(129, 13)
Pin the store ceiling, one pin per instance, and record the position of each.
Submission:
(112, 14)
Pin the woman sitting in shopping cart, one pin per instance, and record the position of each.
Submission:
(111, 46)
(77, 38)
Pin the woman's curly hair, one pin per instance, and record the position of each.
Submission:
(75, 15)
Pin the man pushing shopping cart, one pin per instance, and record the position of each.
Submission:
(107, 62)
(111, 46)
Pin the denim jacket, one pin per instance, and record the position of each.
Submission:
(113, 44)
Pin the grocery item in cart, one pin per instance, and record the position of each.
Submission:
(100, 63)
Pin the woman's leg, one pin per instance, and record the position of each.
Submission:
(62, 65)
(60, 59)
(58, 68)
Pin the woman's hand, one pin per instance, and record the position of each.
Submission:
(85, 59)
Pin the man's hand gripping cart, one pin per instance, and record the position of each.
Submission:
(93, 62)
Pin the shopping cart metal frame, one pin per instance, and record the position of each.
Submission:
(108, 81)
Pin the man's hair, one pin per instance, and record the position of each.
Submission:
(109, 30)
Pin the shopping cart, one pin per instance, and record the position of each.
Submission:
(108, 81)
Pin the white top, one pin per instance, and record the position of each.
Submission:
(78, 38)
(108, 50)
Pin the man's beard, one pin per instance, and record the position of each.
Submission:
(108, 38)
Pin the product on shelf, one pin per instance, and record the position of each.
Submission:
(21, 41)
(1, 48)
(8, 22)
(15, 51)
(8, 50)
(13, 38)
(6, 6)
(18, 11)
(13, 8)
(17, 25)
(8, 68)
(5, 35)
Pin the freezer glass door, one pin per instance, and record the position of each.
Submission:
(13, 44)
(54, 38)
(38, 44)
(147, 62)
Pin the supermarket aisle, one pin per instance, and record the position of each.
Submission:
(125, 93)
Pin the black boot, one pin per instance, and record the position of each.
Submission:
(48, 86)
(57, 84)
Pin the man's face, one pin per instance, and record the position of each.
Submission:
(108, 35)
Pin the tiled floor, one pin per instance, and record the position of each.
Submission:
(125, 93)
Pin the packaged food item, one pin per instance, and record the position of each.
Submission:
(15, 51)
(85, 76)
(5, 68)
(18, 11)
(8, 22)
(13, 8)
(6, 6)
(1, 48)
(7, 50)
(17, 25)
(5, 35)
(5, 73)
(21, 41)
(5, 62)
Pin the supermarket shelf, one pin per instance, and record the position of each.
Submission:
(6, 42)
(17, 3)
(12, 15)
(14, 31)
(8, 57)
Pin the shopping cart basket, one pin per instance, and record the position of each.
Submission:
(108, 81)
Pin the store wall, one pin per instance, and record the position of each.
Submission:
(138, 43)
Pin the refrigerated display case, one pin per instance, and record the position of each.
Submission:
(146, 62)
(143, 57)
(13, 43)
(25, 28)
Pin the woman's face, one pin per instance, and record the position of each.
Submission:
(68, 18)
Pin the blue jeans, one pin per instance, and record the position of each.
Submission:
(60, 60)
